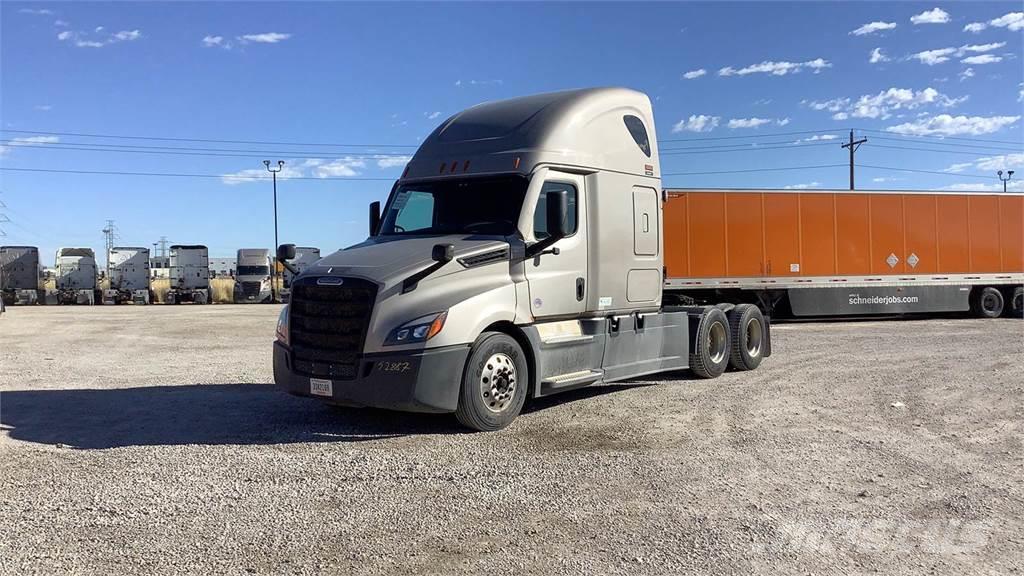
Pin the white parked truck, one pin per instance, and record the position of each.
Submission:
(519, 255)
(76, 276)
(252, 276)
(190, 274)
(305, 256)
(21, 276)
(129, 275)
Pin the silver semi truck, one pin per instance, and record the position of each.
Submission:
(519, 255)
(75, 269)
(305, 256)
(252, 276)
(189, 273)
(21, 279)
(129, 275)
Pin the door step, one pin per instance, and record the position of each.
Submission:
(571, 379)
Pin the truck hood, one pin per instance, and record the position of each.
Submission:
(386, 259)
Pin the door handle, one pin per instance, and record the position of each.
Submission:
(580, 289)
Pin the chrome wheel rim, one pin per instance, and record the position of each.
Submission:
(754, 335)
(717, 340)
(498, 381)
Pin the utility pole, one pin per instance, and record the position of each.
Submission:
(163, 245)
(853, 145)
(109, 235)
(273, 275)
(999, 172)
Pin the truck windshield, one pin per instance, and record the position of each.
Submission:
(473, 206)
(253, 270)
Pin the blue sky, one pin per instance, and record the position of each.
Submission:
(382, 76)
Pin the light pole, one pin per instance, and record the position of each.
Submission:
(273, 275)
(1009, 175)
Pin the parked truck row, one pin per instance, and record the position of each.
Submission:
(76, 276)
(529, 248)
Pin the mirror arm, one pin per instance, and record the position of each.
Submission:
(537, 249)
(289, 267)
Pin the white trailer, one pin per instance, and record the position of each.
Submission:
(129, 275)
(20, 275)
(190, 274)
(252, 276)
(76, 276)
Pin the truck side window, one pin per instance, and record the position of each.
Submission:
(540, 221)
(415, 211)
(639, 133)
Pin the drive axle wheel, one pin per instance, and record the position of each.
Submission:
(748, 335)
(493, 384)
(711, 344)
(987, 303)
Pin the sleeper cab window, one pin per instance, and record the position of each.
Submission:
(540, 214)
(639, 133)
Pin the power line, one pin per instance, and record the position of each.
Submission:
(752, 145)
(209, 140)
(288, 155)
(752, 149)
(181, 175)
(956, 174)
(763, 135)
(113, 147)
(956, 144)
(938, 137)
(968, 152)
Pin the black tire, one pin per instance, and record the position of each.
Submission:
(709, 354)
(987, 303)
(747, 332)
(1016, 307)
(495, 361)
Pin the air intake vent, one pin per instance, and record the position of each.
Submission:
(328, 325)
(484, 258)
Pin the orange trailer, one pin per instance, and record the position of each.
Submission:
(837, 252)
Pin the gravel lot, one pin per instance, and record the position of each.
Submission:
(150, 440)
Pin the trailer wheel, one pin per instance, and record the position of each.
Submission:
(710, 354)
(988, 303)
(748, 337)
(494, 383)
(1016, 307)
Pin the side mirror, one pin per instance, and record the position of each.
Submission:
(557, 212)
(286, 252)
(374, 218)
(443, 253)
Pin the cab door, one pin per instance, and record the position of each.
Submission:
(558, 282)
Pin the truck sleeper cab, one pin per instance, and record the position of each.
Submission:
(252, 276)
(519, 255)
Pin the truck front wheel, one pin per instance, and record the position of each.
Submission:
(709, 356)
(494, 383)
(747, 331)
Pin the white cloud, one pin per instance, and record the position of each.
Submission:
(1020, 93)
(877, 56)
(982, 59)
(817, 137)
(1013, 21)
(393, 161)
(1012, 186)
(695, 74)
(43, 107)
(432, 115)
(748, 122)
(946, 125)
(883, 104)
(259, 174)
(347, 166)
(61, 23)
(696, 123)
(880, 179)
(461, 83)
(782, 121)
(938, 56)
(975, 27)
(263, 38)
(84, 40)
(762, 101)
(802, 186)
(966, 73)
(36, 11)
(959, 167)
(873, 27)
(1001, 162)
(777, 68)
(933, 16)
(211, 41)
(28, 141)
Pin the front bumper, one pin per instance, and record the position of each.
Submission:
(418, 381)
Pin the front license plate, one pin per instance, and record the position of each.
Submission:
(319, 387)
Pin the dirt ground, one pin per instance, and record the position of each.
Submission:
(139, 440)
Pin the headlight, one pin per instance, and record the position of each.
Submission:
(419, 330)
(282, 326)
